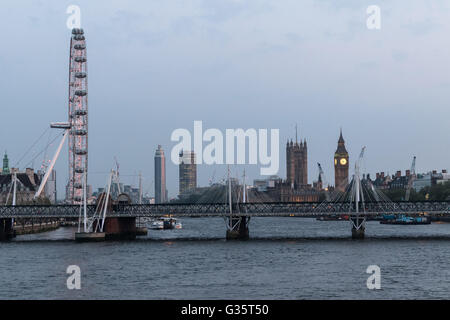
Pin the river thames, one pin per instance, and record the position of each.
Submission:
(286, 258)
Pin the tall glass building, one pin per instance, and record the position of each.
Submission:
(187, 172)
(160, 176)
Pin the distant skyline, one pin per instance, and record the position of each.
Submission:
(155, 66)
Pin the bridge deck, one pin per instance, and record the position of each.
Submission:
(271, 209)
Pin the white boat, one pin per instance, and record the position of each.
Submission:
(157, 225)
(166, 223)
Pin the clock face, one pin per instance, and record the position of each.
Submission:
(343, 161)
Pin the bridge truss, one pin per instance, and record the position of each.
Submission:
(261, 209)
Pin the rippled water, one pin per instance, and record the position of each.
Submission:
(286, 258)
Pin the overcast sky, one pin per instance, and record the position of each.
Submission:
(155, 66)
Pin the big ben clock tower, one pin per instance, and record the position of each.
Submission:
(341, 165)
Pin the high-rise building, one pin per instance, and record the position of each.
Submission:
(297, 164)
(341, 165)
(160, 176)
(187, 171)
(50, 186)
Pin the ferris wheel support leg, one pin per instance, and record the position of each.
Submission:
(52, 164)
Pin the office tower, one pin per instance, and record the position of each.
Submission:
(187, 171)
(160, 176)
(50, 187)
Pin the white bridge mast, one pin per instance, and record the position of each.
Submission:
(358, 223)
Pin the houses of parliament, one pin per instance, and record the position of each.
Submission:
(296, 188)
(297, 164)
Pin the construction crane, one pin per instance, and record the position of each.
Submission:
(322, 177)
(211, 181)
(116, 176)
(412, 177)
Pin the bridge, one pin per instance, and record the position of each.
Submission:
(258, 209)
(118, 219)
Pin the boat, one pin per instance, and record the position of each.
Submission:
(333, 218)
(165, 223)
(405, 220)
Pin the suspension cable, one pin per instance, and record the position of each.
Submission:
(31, 147)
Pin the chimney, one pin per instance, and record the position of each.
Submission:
(382, 175)
(398, 174)
(408, 173)
(30, 174)
(377, 175)
(444, 170)
(434, 171)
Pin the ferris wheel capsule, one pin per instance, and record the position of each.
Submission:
(80, 132)
(77, 31)
(80, 112)
(80, 151)
(80, 75)
(80, 59)
(80, 93)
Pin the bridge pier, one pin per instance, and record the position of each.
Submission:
(358, 227)
(141, 229)
(114, 229)
(237, 228)
(6, 229)
(120, 228)
(89, 236)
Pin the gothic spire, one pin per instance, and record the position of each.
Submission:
(341, 138)
(341, 145)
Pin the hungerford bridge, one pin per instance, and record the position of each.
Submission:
(261, 209)
(119, 220)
